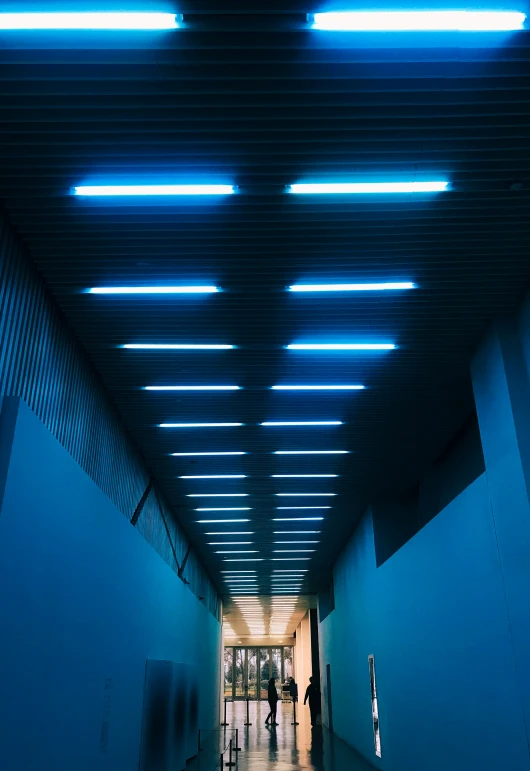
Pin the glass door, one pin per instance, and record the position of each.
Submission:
(264, 669)
(239, 673)
(229, 672)
(252, 673)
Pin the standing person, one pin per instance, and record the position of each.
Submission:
(313, 694)
(272, 698)
(293, 689)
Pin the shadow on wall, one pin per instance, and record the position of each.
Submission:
(170, 718)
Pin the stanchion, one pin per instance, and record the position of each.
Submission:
(294, 713)
(224, 722)
(221, 762)
(230, 761)
(248, 716)
(237, 748)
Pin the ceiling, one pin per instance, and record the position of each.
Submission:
(258, 100)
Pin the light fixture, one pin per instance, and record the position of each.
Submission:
(176, 347)
(300, 508)
(289, 559)
(238, 571)
(247, 559)
(293, 542)
(396, 285)
(290, 571)
(288, 551)
(233, 543)
(297, 519)
(304, 476)
(153, 290)
(233, 532)
(153, 190)
(215, 476)
(236, 551)
(310, 452)
(416, 21)
(199, 425)
(192, 388)
(367, 188)
(231, 508)
(304, 495)
(217, 495)
(341, 346)
(95, 20)
(289, 532)
(219, 521)
(302, 423)
(318, 387)
(186, 454)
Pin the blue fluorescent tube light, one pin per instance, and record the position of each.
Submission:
(233, 532)
(217, 495)
(95, 20)
(418, 21)
(187, 454)
(238, 571)
(246, 559)
(304, 495)
(192, 388)
(300, 508)
(220, 521)
(235, 551)
(351, 287)
(341, 346)
(310, 452)
(296, 519)
(290, 571)
(289, 532)
(317, 387)
(289, 559)
(302, 423)
(366, 188)
(304, 476)
(215, 476)
(296, 542)
(199, 425)
(233, 543)
(152, 290)
(176, 347)
(244, 508)
(153, 190)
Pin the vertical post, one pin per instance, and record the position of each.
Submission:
(237, 748)
(294, 713)
(199, 741)
(248, 716)
(224, 721)
(221, 762)
(230, 761)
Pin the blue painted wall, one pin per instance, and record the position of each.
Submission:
(434, 615)
(84, 600)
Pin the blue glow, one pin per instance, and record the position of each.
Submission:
(176, 347)
(235, 551)
(229, 543)
(233, 532)
(199, 425)
(303, 423)
(247, 559)
(290, 559)
(296, 541)
(300, 508)
(351, 287)
(318, 387)
(414, 21)
(153, 190)
(215, 476)
(297, 495)
(153, 290)
(367, 188)
(217, 495)
(186, 454)
(220, 521)
(292, 532)
(341, 346)
(297, 519)
(290, 571)
(230, 508)
(193, 388)
(310, 452)
(96, 20)
(238, 571)
(304, 476)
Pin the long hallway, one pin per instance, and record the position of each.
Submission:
(277, 748)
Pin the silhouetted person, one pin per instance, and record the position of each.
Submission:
(272, 698)
(293, 689)
(313, 694)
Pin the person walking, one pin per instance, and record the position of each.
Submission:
(293, 689)
(272, 698)
(313, 694)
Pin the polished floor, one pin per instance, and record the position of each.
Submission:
(276, 748)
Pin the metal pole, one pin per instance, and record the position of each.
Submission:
(221, 762)
(224, 722)
(248, 716)
(230, 761)
(237, 748)
(294, 713)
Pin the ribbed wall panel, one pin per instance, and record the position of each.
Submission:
(43, 363)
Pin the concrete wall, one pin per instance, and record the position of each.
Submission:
(435, 617)
(84, 602)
